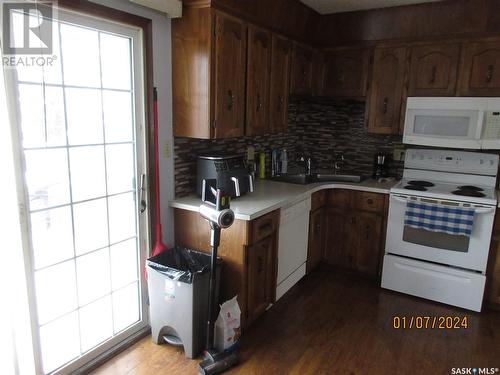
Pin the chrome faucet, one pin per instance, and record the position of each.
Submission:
(307, 163)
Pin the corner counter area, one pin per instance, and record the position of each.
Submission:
(271, 195)
(283, 231)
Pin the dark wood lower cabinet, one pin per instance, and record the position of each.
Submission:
(317, 220)
(355, 238)
(369, 235)
(261, 276)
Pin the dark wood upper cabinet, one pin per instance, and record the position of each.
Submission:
(259, 67)
(389, 69)
(433, 70)
(281, 53)
(230, 64)
(480, 69)
(346, 72)
(208, 74)
(302, 70)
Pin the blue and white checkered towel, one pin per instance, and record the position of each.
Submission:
(436, 218)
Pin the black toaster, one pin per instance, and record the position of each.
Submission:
(229, 171)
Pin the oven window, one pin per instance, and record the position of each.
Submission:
(437, 240)
(446, 126)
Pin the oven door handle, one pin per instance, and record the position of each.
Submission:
(484, 210)
(477, 210)
(399, 199)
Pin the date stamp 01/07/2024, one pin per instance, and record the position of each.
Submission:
(430, 322)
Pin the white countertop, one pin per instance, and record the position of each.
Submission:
(271, 195)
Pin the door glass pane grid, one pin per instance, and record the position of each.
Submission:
(87, 161)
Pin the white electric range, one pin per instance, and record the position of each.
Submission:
(439, 266)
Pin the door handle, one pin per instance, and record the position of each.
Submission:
(142, 192)
(433, 75)
(230, 100)
(384, 105)
(260, 265)
(489, 73)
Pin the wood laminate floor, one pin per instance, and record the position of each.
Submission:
(339, 324)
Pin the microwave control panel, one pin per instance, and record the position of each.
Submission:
(492, 125)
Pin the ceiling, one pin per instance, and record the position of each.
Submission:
(337, 6)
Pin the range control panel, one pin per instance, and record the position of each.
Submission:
(452, 161)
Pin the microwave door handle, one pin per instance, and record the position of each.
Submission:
(480, 124)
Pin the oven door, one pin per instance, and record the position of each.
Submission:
(460, 251)
(443, 127)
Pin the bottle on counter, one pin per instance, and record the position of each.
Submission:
(284, 161)
(262, 165)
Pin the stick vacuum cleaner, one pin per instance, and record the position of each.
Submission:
(215, 209)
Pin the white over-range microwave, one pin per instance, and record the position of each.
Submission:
(455, 122)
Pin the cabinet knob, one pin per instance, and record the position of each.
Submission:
(369, 201)
(433, 75)
(259, 102)
(385, 104)
(489, 73)
(230, 100)
(260, 265)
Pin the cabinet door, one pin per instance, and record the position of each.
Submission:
(338, 238)
(230, 64)
(346, 72)
(389, 65)
(369, 240)
(302, 62)
(316, 238)
(280, 84)
(433, 70)
(480, 70)
(259, 68)
(260, 260)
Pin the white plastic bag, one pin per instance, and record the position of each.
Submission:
(228, 325)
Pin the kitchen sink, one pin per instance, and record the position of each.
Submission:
(338, 177)
(299, 178)
(303, 178)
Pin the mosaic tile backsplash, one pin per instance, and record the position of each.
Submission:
(317, 127)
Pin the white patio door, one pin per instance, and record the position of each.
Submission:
(82, 157)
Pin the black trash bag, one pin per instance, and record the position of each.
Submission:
(180, 263)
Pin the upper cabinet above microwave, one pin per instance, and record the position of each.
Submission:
(471, 123)
(480, 73)
(433, 70)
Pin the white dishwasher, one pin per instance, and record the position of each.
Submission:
(292, 247)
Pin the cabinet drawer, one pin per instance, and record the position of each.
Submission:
(369, 201)
(264, 226)
(339, 198)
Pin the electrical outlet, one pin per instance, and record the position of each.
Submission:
(167, 149)
(399, 154)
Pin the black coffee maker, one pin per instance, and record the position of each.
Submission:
(380, 166)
